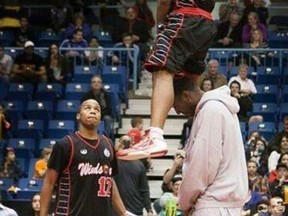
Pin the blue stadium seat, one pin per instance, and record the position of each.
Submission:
(12, 52)
(268, 75)
(285, 93)
(117, 75)
(6, 183)
(278, 39)
(221, 55)
(67, 109)
(39, 110)
(3, 89)
(269, 111)
(75, 91)
(101, 128)
(31, 167)
(266, 94)
(283, 110)
(15, 110)
(113, 91)
(23, 147)
(20, 91)
(60, 128)
(47, 38)
(30, 129)
(285, 72)
(47, 142)
(29, 187)
(83, 74)
(104, 38)
(49, 92)
(266, 129)
(6, 38)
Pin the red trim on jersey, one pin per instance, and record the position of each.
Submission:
(85, 142)
(194, 12)
(71, 155)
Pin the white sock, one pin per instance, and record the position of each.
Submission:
(156, 132)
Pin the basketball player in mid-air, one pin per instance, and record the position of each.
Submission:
(185, 33)
(82, 165)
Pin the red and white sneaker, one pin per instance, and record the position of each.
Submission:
(150, 146)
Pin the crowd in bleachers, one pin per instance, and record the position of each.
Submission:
(47, 67)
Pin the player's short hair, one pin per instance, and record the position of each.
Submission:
(135, 121)
(184, 84)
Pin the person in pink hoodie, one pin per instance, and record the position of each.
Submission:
(215, 178)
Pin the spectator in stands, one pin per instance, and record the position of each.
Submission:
(167, 197)
(250, 206)
(258, 7)
(185, 133)
(57, 66)
(60, 16)
(176, 169)
(137, 28)
(144, 13)
(24, 33)
(277, 207)
(40, 167)
(99, 94)
(278, 150)
(110, 16)
(212, 73)
(253, 23)
(94, 56)
(206, 85)
(276, 138)
(136, 132)
(259, 183)
(277, 187)
(6, 63)
(232, 6)
(258, 153)
(229, 32)
(262, 208)
(125, 58)
(245, 102)
(76, 41)
(78, 24)
(256, 57)
(132, 182)
(36, 205)
(247, 85)
(274, 174)
(29, 67)
(5, 124)
(9, 167)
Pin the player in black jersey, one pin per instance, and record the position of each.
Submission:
(185, 32)
(82, 166)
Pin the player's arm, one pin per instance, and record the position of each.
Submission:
(163, 7)
(47, 190)
(117, 201)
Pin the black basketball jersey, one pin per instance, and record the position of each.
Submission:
(207, 5)
(85, 186)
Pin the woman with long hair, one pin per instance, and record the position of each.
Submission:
(57, 66)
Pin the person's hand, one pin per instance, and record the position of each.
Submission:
(254, 27)
(150, 213)
(226, 41)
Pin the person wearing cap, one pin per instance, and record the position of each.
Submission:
(28, 67)
(173, 195)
